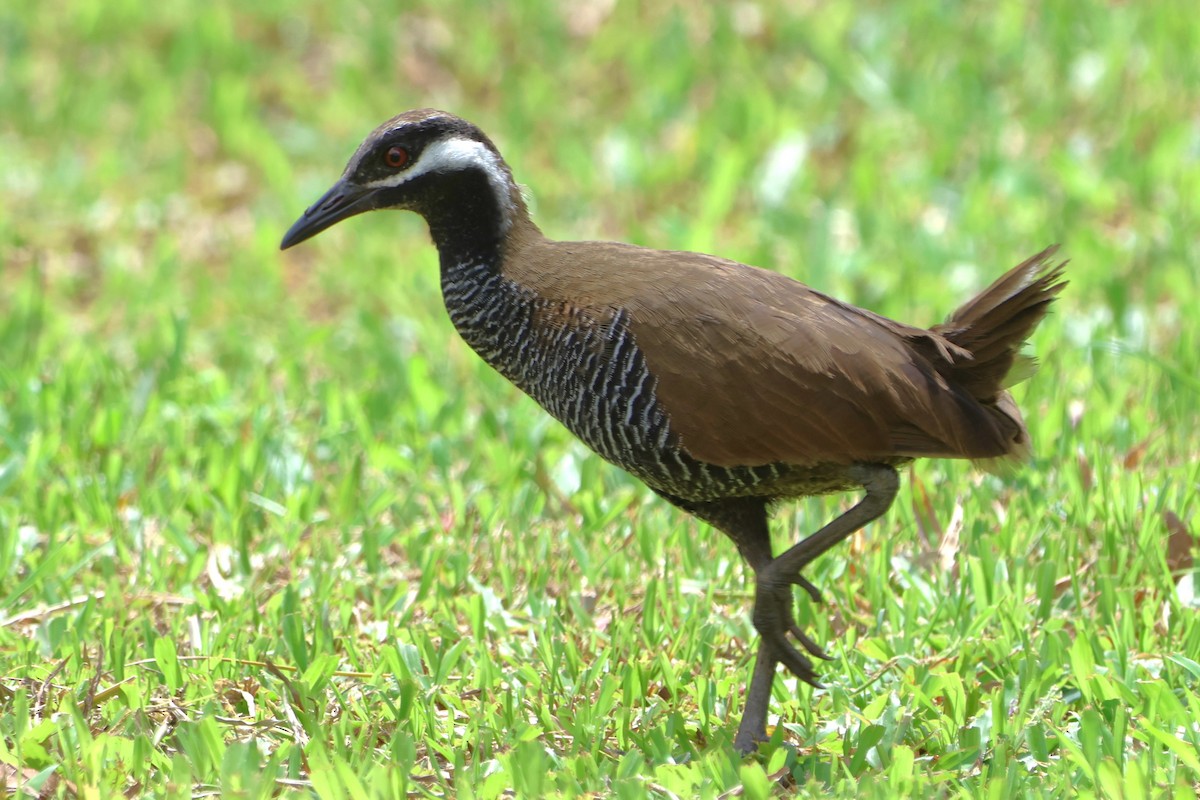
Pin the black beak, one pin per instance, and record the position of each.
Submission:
(342, 201)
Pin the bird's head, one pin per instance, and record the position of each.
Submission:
(426, 161)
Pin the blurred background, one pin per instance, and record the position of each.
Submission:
(878, 149)
(190, 420)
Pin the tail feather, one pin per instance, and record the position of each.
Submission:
(994, 325)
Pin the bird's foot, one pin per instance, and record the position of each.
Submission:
(775, 621)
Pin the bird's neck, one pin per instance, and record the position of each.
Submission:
(474, 230)
(470, 223)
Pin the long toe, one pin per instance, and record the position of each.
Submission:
(774, 621)
(807, 585)
(796, 662)
(812, 647)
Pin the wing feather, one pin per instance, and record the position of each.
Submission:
(753, 367)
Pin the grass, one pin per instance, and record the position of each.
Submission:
(267, 527)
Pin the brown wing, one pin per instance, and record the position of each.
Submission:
(754, 367)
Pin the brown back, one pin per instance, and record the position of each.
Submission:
(754, 367)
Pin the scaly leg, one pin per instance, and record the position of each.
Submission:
(744, 520)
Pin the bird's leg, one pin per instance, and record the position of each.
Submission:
(773, 601)
(744, 520)
(881, 484)
(753, 727)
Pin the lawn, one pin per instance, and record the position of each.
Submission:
(267, 527)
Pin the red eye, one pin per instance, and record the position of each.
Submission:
(396, 157)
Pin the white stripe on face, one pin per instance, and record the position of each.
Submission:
(452, 155)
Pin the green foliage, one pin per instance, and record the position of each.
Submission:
(267, 526)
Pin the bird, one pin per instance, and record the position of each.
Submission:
(725, 388)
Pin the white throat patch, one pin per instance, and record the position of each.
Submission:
(453, 155)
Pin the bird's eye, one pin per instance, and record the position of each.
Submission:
(396, 157)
